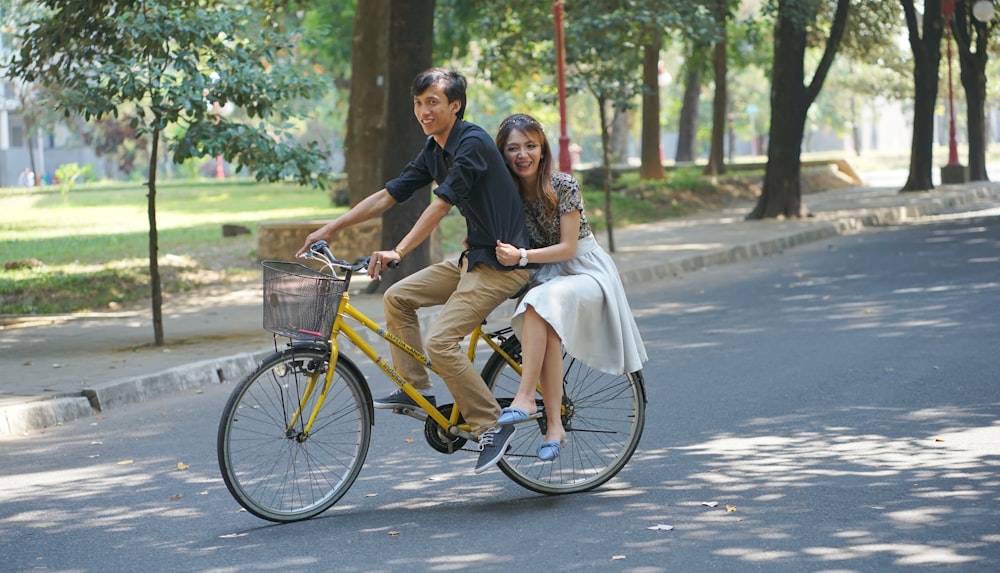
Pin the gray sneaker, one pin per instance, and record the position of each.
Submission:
(492, 446)
(399, 399)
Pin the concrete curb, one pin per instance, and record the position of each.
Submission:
(117, 393)
(39, 414)
(734, 254)
(21, 418)
(840, 223)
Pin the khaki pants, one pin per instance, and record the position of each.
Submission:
(468, 297)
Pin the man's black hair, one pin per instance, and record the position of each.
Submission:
(452, 83)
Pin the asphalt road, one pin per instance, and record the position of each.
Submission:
(830, 409)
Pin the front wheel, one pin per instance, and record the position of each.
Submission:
(272, 465)
(603, 415)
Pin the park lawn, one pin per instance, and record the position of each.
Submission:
(101, 224)
(93, 240)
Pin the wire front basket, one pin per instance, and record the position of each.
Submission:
(300, 302)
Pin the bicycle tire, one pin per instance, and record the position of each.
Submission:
(275, 472)
(604, 419)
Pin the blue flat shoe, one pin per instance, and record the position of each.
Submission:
(550, 450)
(511, 415)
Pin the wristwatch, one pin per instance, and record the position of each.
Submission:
(524, 259)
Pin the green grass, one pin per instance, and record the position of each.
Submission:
(98, 224)
(93, 242)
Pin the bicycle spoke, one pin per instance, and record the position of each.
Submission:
(604, 419)
(282, 473)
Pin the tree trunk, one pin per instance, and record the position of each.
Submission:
(29, 140)
(368, 101)
(926, 61)
(155, 288)
(855, 127)
(687, 132)
(781, 194)
(973, 74)
(392, 44)
(618, 136)
(720, 103)
(652, 162)
(411, 42)
(606, 160)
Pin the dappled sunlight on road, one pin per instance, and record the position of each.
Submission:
(912, 495)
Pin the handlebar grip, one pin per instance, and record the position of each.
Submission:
(323, 248)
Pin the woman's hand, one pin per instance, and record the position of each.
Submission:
(508, 255)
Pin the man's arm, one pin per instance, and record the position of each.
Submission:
(422, 229)
(369, 208)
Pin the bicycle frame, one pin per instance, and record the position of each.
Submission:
(341, 327)
(284, 459)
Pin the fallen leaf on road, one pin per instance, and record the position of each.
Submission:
(409, 440)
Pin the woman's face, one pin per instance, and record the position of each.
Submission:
(523, 152)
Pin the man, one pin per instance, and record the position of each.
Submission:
(470, 172)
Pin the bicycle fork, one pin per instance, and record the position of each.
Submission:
(311, 384)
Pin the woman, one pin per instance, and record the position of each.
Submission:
(577, 299)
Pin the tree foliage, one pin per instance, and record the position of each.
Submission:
(171, 61)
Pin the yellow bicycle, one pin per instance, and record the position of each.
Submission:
(295, 432)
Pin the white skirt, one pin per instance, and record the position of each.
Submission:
(584, 301)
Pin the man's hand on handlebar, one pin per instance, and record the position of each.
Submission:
(317, 235)
(380, 260)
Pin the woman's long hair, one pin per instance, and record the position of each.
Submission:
(530, 127)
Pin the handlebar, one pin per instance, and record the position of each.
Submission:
(320, 251)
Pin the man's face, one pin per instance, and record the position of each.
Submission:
(434, 112)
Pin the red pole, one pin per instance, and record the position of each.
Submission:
(948, 10)
(565, 164)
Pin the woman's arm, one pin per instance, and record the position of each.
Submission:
(565, 249)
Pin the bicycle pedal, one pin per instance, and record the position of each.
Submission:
(418, 414)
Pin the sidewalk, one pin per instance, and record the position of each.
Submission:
(61, 368)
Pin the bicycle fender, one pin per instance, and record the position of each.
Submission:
(349, 365)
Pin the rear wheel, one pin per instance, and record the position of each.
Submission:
(603, 415)
(270, 464)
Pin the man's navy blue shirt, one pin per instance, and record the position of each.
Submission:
(472, 175)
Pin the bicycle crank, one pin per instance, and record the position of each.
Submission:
(438, 437)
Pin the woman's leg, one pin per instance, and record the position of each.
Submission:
(552, 388)
(541, 361)
(534, 339)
